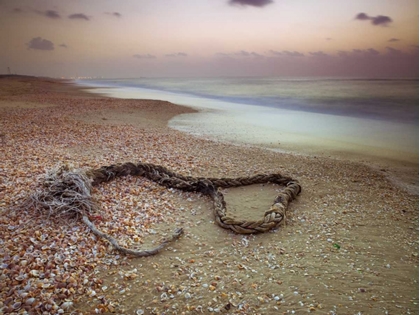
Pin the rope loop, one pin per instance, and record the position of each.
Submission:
(68, 193)
(210, 187)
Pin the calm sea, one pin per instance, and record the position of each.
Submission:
(390, 100)
(340, 117)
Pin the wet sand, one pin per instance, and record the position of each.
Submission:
(350, 243)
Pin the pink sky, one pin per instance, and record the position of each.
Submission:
(133, 38)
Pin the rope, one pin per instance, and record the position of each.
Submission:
(137, 253)
(210, 187)
(68, 193)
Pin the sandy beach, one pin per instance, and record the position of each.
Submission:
(349, 245)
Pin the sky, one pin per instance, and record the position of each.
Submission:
(210, 38)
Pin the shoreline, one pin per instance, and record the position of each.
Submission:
(336, 252)
(209, 121)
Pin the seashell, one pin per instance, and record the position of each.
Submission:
(20, 278)
(163, 296)
(34, 273)
(30, 301)
(91, 293)
(28, 286)
(66, 305)
(60, 285)
(72, 280)
(16, 305)
(139, 312)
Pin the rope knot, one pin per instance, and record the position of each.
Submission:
(206, 187)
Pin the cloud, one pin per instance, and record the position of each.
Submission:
(372, 52)
(51, 14)
(366, 63)
(292, 53)
(17, 10)
(241, 53)
(357, 53)
(393, 52)
(343, 53)
(115, 14)
(64, 46)
(287, 53)
(366, 52)
(254, 3)
(362, 16)
(79, 16)
(148, 56)
(180, 54)
(381, 20)
(319, 54)
(376, 20)
(40, 44)
(277, 53)
(392, 40)
(244, 53)
(224, 55)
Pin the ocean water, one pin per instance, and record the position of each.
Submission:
(313, 116)
(392, 100)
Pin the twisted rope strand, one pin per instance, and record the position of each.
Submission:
(142, 253)
(209, 186)
(68, 193)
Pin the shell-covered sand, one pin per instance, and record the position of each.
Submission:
(350, 245)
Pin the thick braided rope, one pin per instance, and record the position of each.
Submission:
(210, 187)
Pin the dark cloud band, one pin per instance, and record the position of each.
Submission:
(180, 54)
(79, 16)
(52, 14)
(254, 3)
(287, 53)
